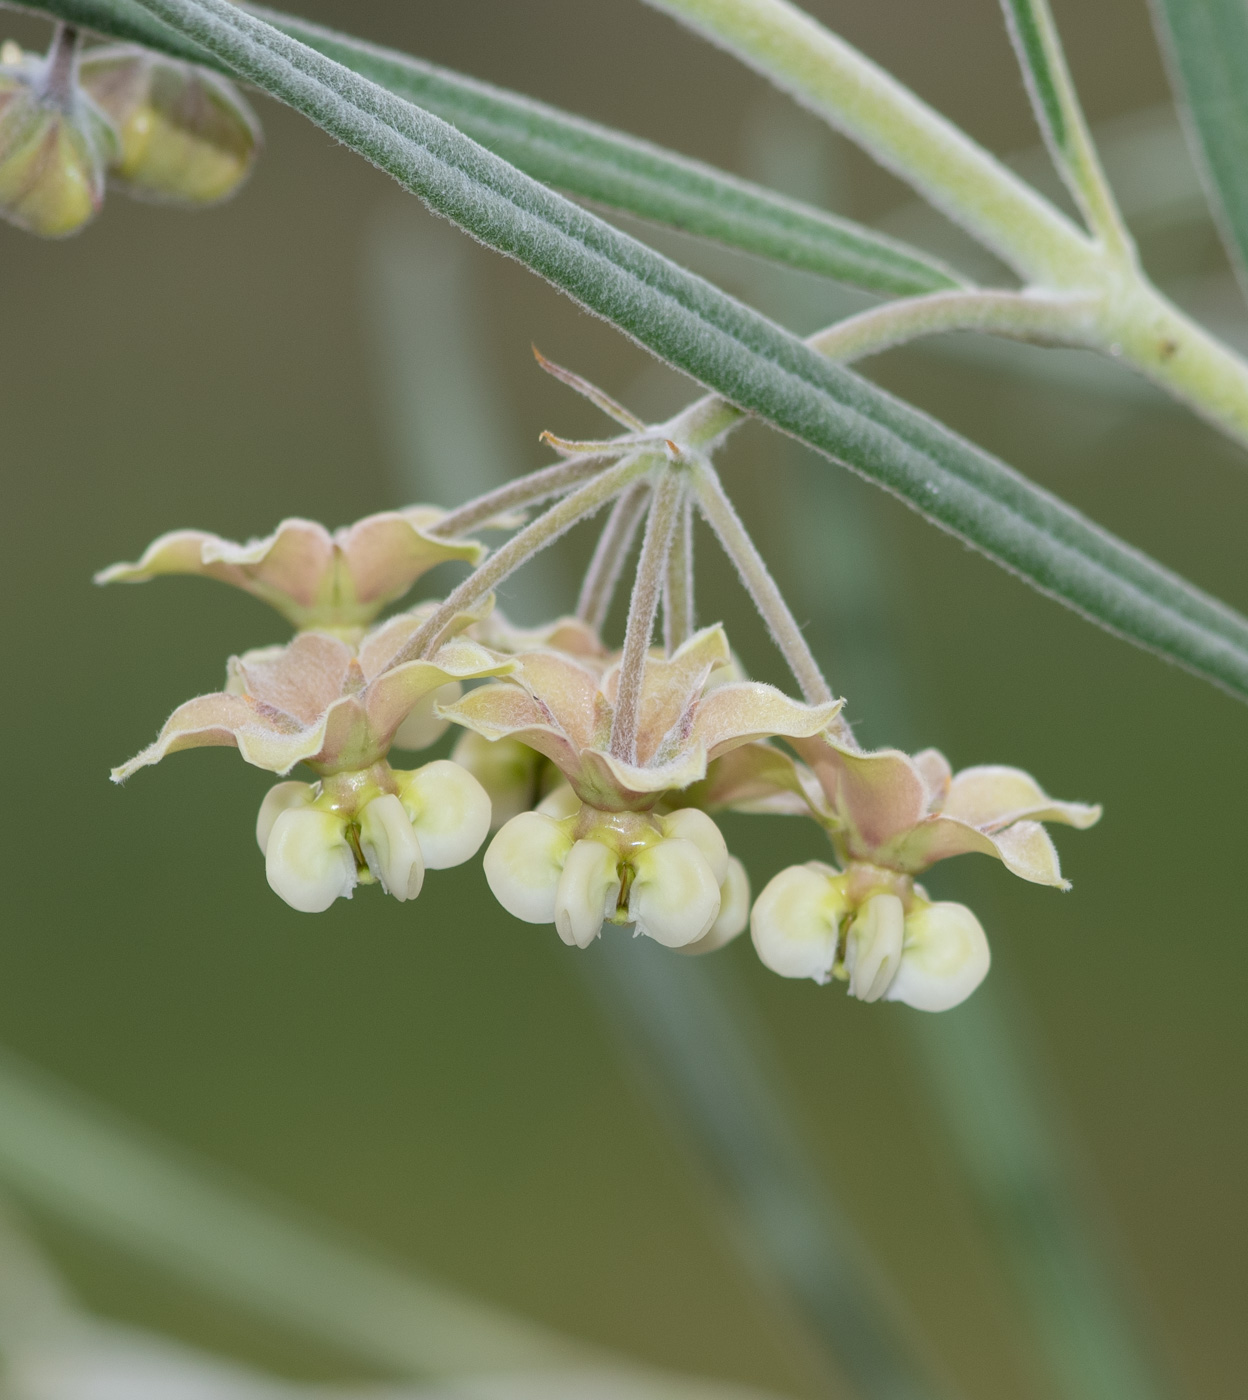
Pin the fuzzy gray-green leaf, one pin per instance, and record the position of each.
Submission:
(737, 352)
(1206, 42)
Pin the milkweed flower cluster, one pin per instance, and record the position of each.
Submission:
(600, 772)
(72, 122)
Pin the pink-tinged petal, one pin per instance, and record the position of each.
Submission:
(611, 785)
(753, 778)
(566, 634)
(383, 643)
(568, 694)
(383, 555)
(1025, 848)
(264, 736)
(313, 578)
(670, 691)
(286, 568)
(509, 712)
(993, 796)
(302, 678)
(389, 699)
(872, 797)
(736, 714)
(937, 775)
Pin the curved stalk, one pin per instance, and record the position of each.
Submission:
(678, 609)
(524, 491)
(518, 550)
(642, 607)
(899, 130)
(598, 589)
(722, 517)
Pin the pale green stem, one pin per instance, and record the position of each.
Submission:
(1061, 119)
(902, 132)
(642, 607)
(58, 82)
(722, 517)
(523, 491)
(598, 589)
(678, 598)
(518, 550)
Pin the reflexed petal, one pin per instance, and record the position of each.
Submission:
(734, 911)
(606, 782)
(311, 577)
(689, 824)
(391, 847)
(670, 691)
(937, 776)
(756, 777)
(992, 796)
(309, 861)
(873, 946)
(795, 923)
(944, 958)
(736, 714)
(507, 711)
(276, 801)
(675, 898)
(1024, 848)
(423, 725)
(874, 797)
(523, 864)
(587, 892)
(449, 811)
(302, 678)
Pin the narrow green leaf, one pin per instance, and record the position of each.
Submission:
(1206, 44)
(588, 160)
(138, 1193)
(738, 353)
(1028, 35)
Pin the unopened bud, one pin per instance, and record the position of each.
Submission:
(448, 810)
(187, 136)
(873, 947)
(795, 923)
(423, 725)
(507, 769)
(523, 864)
(674, 897)
(54, 144)
(309, 861)
(734, 911)
(276, 801)
(587, 892)
(945, 956)
(391, 848)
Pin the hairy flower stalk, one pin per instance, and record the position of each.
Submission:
(678, 598)
(602, 576)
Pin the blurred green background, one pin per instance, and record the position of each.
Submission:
(436, 1077)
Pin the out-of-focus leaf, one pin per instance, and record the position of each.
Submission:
(1206, 42)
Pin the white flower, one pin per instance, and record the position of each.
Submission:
(796, 921)
(944, 958)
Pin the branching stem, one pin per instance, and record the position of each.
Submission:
(598, 589)
(642, 607)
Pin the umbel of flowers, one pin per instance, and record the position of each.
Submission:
(598, 770)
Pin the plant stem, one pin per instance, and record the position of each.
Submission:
(678, 594)
(522, 547)
(722, 517)
(59, 80)
(902, 132)
(603, 573)
(524, 491)
(644, 603)
(1063, 124)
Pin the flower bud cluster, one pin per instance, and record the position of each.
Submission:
(880, 935)
(157, 128)
(376, 826)
(671, 877)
